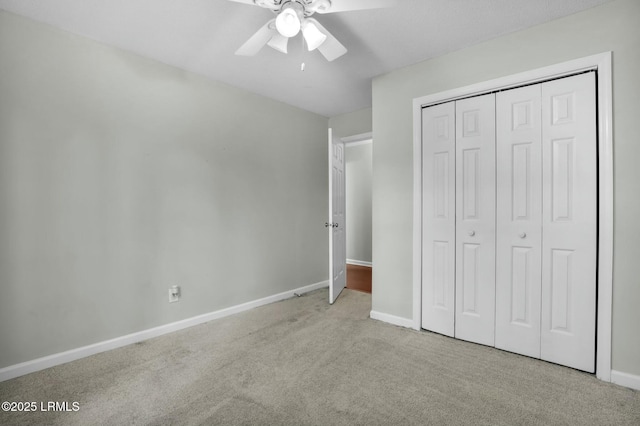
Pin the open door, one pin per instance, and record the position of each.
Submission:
(336, 224)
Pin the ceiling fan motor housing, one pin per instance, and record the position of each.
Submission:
(305, 8)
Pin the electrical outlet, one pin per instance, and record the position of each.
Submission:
(174, 294)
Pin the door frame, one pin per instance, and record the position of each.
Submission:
(602, 63)
(354, 140)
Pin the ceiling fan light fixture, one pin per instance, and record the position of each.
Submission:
(312, 35)
(288, 22)
(279, 43)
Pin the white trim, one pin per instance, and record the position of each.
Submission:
(23, 368)
(391, 319)
(359, 263)
(508, 82)
(358, 143)
(362, 137)
(602, 63)
(625, 379)
(605, 223)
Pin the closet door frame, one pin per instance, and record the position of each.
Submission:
(600, 63)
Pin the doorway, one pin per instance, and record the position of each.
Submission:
(358, 194)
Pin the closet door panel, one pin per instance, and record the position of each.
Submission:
(569, 221)
(438, 216)
(518, 220)
(475, 219)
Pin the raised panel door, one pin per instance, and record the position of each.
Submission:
(337, 201)
(518, 220)
(569, 221)
(438, 213)
(475, 219)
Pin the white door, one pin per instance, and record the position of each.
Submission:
(569, 221)
(475, 219)
(438, 218)
(524, 188)
(518, 220)
(337, 240)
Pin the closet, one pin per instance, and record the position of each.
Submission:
(510, 220)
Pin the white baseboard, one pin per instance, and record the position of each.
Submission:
(32, 366)
(625, 379)
(359, 262)
(391, 319)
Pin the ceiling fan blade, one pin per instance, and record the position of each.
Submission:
(348, 5)
(258, 40)
(267, 4)
(331, 48)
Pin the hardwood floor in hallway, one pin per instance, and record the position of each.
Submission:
(359, 278)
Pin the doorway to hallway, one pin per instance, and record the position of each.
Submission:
(358, 193)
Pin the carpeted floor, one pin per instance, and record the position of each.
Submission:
(305, 362)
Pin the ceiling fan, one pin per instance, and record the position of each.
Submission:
(294, 16)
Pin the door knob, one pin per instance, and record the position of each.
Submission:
(523, 235)
(326, 224)
(335, 225)
(472, 233)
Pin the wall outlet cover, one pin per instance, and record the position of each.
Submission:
(174, 294)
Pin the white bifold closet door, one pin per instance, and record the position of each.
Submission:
(475, 219)
(439, 220)
(546, 221)
(510, 220)
(458, 254)
(569, 222)
(519, 220)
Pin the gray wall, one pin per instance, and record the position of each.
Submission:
(611, 27)
(351, 124)
(358, 201)
(120, 177)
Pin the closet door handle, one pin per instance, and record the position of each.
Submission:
(472, 233)
(523, 235)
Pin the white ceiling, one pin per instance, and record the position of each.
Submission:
(201, 36)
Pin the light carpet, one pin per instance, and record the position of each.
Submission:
(305, 362)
